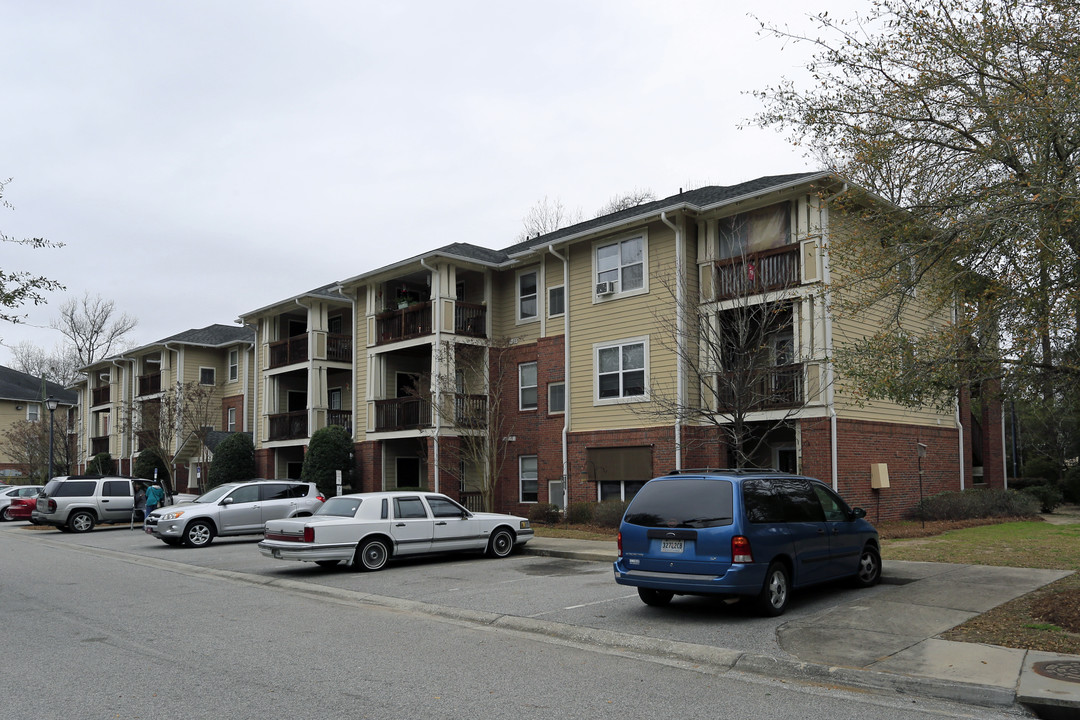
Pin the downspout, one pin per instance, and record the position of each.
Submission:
(566, 375)
(830, 373)
(436, 415)
(680, 337)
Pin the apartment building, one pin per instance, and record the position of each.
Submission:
(581, 358)
(23, 400)
(167, 396)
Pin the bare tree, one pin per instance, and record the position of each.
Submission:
(18, 287)
(625, 201)
(27, 444)
(59, 366)
(548, 216)
(162, 425)
(93, 327)
(745, 374)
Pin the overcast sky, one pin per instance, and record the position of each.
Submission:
(202, 159)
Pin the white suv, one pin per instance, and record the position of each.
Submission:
(238, 508)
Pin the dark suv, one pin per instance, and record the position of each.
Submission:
(742, 533)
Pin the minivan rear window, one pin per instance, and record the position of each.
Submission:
(682, 503)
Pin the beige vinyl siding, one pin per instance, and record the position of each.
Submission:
(617, 319)
(504, 306)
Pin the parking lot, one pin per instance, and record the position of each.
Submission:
(571, 592)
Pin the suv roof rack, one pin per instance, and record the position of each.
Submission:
(736, 471)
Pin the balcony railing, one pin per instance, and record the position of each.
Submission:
(341, 418)
(99, 445)
(470, 411)
(402, 414)
(470, 319)
(150, 384)
(410, 322)
(762, 272)
(339, 347)
(289, 351)
(762, 389)
(289, 426)
(99, 396)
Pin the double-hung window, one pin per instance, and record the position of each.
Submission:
(528, 482)
(527, 386)
(620, 370)
(620, 265)
(234, 365)
(527, 298)
(556, 301)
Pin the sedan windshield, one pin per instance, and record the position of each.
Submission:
(214, 495)
(339, 506)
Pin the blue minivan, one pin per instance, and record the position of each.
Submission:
(742, 533)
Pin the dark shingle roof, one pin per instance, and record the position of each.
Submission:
(213, 336)
(15, 385)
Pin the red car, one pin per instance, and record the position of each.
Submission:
(20, 508)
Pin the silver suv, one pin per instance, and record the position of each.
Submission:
(76, 503)
(239, 508)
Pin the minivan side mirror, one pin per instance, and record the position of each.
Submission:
(858, 513)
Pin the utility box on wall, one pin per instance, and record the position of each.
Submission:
(879, 476)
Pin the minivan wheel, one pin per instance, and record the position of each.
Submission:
(198, 533)
(501, 543)
(655, 598)
(869, 573)
(81, 522)
(773, 599)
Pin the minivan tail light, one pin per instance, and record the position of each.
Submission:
(618, 539)
(740, 550)
(309, 534)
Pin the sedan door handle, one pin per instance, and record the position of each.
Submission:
(441, 523)
(400, 525)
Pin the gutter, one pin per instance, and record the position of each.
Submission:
(680, 337)
(566, 376)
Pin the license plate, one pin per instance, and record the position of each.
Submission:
(148, 530)
(671, 546)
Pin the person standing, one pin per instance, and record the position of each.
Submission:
(154, 496)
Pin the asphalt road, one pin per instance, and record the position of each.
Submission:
(115, 624)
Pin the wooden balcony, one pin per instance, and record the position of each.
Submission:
(761, 389)
(289, 351)
(410, 322)
(470, 319)
(470, 411)
(406, 413)
(289, 426)
(341, 418)
(99, 445)
(99, 396)
(339, 347)
(762, 272)
(150, 384)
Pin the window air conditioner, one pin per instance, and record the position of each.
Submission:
(605, 288)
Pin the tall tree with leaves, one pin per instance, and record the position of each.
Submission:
(963, 116)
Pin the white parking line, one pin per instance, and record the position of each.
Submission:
(575, 607)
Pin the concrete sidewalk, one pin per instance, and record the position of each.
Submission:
(891, 638)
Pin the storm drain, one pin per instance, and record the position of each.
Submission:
(1067, 670)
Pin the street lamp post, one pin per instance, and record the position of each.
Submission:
(51, 403)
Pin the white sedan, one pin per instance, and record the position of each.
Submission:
(367, 529)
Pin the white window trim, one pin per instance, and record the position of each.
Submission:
(562, 384)
(596, 348)
(231, 420)
(521, 479)
(234, 368)
(518, 319)
(620, 293)
(211, 369)
(535, 387)
(557, 287)
(32, 416)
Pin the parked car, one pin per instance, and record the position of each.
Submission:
(367, 529)
(76, 503)
(16, 491)
(742, 533)
(237, 508)
(20, 508)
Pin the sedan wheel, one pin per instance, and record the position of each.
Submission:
(869, 568)
(773, 599)
(81, 522)
(198, 534)
(371, 555)
(501, 543)
(6, 515)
